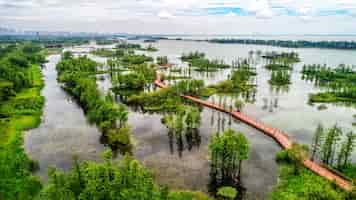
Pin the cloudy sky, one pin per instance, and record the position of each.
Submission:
(183, 16)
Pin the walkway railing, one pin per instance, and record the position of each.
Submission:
(281, 138)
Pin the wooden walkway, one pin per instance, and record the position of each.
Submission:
(281, 138)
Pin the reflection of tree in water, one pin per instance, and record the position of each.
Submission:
(183, 128)
(279, 89)
(192, 139)
(270, 104)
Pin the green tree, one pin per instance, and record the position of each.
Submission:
(239, 105)
(346, 150)
(227, 151)
(317, 141)
(330, 144)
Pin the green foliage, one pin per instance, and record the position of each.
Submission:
(189, 87)
(119, 137)
(317, 141)
(198, 61)
(81, 64)
(16, 67)
(340, 83)
(125, 45)
(139, 77)
(326, 146)
(104, 112)
(239, 82)
(104, 52)
(291, 43)
(281, 60)
(330, 144)
(105, 41)
(185, 121)
(297, 154)
(239, 104)
(192, 55)
(123, 180)
(109, 180)
(227, 151)
(150, 47)
(187, 195)
(347, 147)
(6, 90)
(162, 60)
(283, 157)
(166, 100)
(304, 186)
(280, 78)
(277, 67)
(20, 110)
(133, 59)
(227, 192)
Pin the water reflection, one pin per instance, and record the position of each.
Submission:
(64, 130)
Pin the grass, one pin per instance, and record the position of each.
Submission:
(53, 51)
(328, 97)
(304, 186)
(350, 171)
(187, 195)
(23, 112)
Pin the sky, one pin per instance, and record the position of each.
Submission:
(182, 16)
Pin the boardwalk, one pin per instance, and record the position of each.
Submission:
(281, 138)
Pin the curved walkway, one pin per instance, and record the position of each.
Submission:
(281, 138)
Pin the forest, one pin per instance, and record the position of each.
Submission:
(291, 43)
(20, 110)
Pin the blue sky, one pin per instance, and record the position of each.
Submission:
(183, 16)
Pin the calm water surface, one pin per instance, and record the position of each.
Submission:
(181, 164)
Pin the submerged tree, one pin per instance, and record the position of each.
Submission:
(227, 151)
(185, 122)
(317, 141)
(239, 105)
(330, 144)
(346, 150)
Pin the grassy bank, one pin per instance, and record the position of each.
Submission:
(23, 112)
(304, 185)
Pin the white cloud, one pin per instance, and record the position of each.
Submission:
(261, 8)
(163, 14)
(231, 14)
(189, 15)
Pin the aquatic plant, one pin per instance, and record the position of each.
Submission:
(339, 83)
(227, 151)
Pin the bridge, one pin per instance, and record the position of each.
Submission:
(280, 137)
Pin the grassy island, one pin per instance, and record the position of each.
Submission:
(198, 61)
(339, 84)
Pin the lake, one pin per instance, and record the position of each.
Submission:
(184, 164)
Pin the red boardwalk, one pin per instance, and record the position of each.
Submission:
(281, 138)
